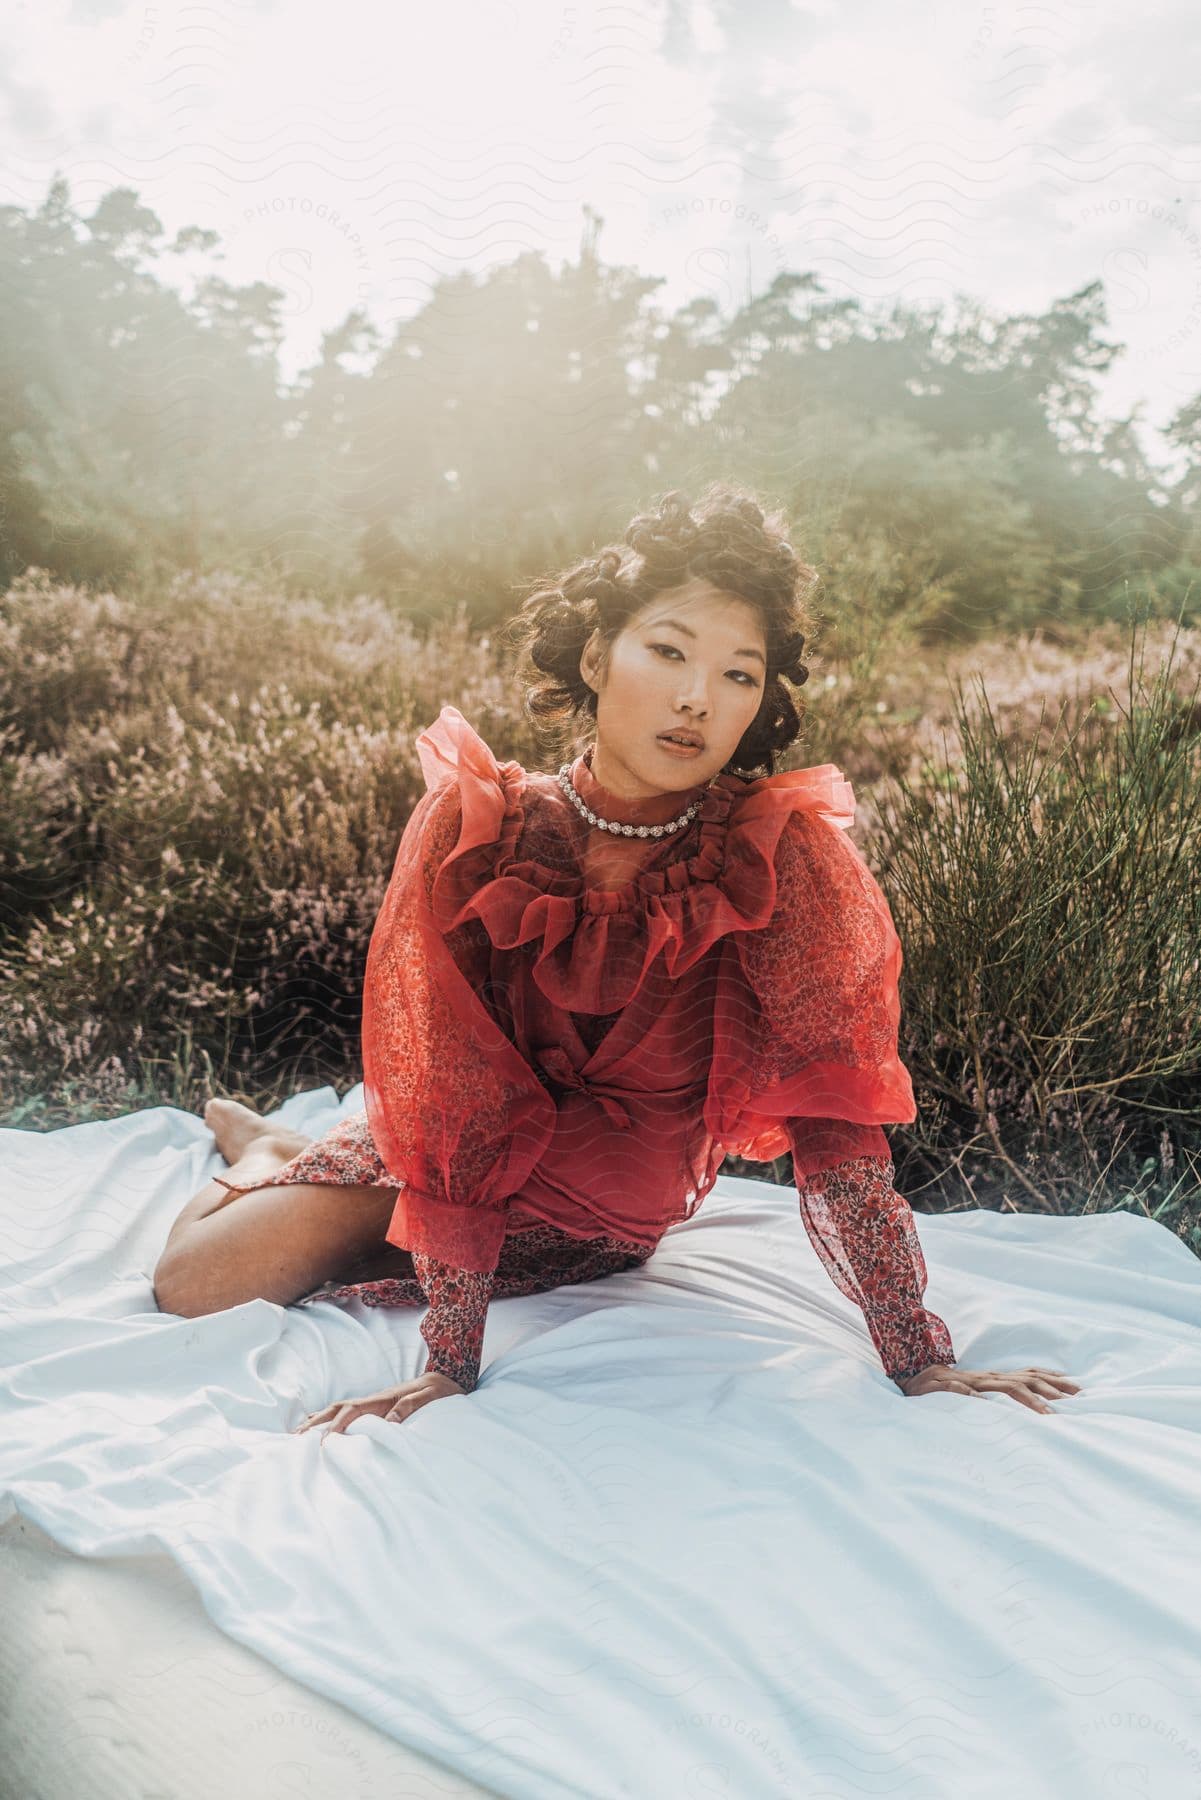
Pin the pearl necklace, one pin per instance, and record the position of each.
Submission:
(581, 806)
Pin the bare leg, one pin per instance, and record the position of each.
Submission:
(250, 1146)
(275, 1243)
(253, 1149)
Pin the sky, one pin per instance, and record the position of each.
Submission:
(351, 154)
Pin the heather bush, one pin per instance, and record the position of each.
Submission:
(1045, 888)
(204, 793)
(203, 789)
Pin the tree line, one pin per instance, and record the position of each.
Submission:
(946, 464)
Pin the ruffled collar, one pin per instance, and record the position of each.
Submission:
(592, 947)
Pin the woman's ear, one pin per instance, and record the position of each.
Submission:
(588, 658)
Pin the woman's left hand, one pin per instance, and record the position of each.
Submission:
(1027, 1386)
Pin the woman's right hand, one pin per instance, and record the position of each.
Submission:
(395, 1404)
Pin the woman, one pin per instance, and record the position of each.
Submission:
(583, 990)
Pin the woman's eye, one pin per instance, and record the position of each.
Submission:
(675, 648)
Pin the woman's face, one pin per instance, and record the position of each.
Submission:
(704, 671)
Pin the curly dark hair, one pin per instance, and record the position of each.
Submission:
(724, 538)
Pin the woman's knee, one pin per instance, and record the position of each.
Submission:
(176, 1289)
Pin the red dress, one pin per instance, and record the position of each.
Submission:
(565, 1031)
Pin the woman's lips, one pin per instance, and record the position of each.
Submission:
(679, 749)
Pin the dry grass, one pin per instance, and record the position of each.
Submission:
(203, 791)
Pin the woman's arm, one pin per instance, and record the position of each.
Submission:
(455, 1111)
(453, 1326)
(864, 1232)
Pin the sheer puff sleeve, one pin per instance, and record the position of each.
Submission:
(806, 1061)
(456, 1113)
(807, 1008)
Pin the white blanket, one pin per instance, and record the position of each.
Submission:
(686, 1537)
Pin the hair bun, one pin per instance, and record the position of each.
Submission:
(600, 574)
(669, 531)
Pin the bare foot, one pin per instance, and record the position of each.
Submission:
(235, 1128)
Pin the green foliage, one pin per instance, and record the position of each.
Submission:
(1048, 902)
(520, 417)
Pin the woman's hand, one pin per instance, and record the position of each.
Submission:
(394, 1404)
(1026, 1386)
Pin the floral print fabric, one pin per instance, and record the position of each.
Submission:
(864, 1234)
